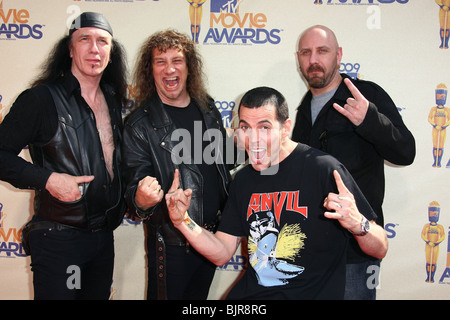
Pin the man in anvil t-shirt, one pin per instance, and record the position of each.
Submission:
(297, 249)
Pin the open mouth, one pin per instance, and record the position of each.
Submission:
(171, 83)
(257, 155)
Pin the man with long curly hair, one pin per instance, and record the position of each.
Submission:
(175, 126)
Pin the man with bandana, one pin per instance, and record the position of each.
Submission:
(71, 121)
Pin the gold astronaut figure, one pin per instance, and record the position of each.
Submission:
(444, 22)
(433, 234)
(439, 118)
(195, 14)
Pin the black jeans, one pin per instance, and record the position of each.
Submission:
(72, 264)
(362, 280)
(189, 274)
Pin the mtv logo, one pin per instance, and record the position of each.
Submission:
(228, 6)
(227, 117)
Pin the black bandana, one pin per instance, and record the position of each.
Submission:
(90, 19)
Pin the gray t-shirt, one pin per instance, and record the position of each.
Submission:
(318, 102)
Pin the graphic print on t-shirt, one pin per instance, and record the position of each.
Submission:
(273, 248)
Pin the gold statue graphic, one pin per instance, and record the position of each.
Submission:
(444, 22)
(433, 234)
(439, 118)
(195, 14)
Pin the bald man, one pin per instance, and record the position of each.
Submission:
(358, 123)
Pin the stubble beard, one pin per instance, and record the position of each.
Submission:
(318, 82)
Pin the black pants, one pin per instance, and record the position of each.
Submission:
(188, 274)
(72, 264)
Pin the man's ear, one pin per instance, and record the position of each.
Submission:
(287, 126)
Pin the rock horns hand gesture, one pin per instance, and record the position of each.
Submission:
(356, 108)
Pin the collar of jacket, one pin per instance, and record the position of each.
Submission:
(71, 84)
(72, 87)
(342, 92)
(160, 118)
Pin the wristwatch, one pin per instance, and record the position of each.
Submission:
(365, 227)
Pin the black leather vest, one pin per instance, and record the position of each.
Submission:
(76, 149)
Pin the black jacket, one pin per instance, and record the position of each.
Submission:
(364, 148)
(62, 136)
(148, 151)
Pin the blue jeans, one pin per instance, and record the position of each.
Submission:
(72, 264)
(361, 281)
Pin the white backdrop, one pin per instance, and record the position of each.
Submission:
(253, 42)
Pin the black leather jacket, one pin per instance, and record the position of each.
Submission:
(76, 149)
(148, 151)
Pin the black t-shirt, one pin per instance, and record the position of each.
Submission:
(294, 251)
(197, 144)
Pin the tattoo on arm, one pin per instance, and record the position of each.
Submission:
(191, 223)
